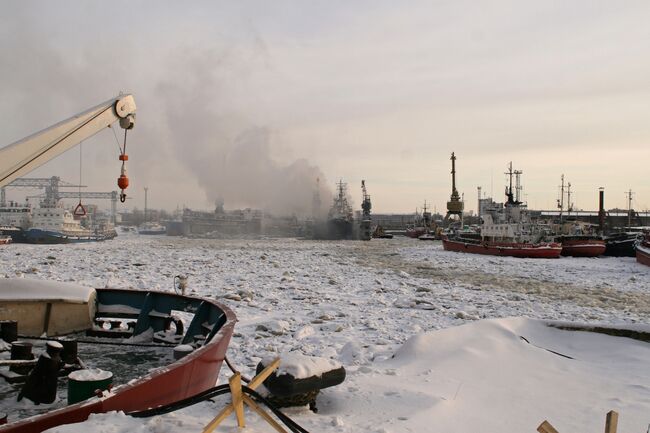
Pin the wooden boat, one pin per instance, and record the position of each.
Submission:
(643, 251)
(582, 245)
(58, 308)
(546, 250)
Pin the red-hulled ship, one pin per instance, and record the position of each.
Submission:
(5, 240)
(643, 251)
(578, 239)
(507, 231)
(582, 245)
(421, 224)
(546, 250)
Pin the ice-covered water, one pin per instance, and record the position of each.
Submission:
(350, 300)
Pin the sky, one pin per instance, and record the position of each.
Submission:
(252, 101)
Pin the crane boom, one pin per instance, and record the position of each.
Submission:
(23, 156)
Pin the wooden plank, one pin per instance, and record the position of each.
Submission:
(546, 427)
(217, 419)
(237, 402)
(249, 401)
(611, 422)
(257, 380)
(230, 408)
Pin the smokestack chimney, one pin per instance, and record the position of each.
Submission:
(601, 210)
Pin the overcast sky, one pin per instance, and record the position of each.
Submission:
(252, 101)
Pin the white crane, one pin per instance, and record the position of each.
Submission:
(23, 156)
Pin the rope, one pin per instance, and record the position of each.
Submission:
(117, 141)
(80, 167)
(234, 370)
(215, 392)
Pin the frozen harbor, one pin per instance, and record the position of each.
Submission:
(358, 303)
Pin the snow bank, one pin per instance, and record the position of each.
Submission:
(301, 366)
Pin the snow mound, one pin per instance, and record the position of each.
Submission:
(301, 366)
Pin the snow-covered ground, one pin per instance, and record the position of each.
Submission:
(360, 303)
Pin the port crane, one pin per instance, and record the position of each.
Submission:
(23, 156)
(366, 231)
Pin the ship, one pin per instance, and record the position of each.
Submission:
(4, 240)
(56, 225)
(622, 244)
(340, 218)
(15, 218)
(506, 230)
(643, 251)
(221, 223)
(578, 240)
(421, 224)
(152, 228)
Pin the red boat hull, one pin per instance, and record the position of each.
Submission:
(583, 247)
(5, 241)
(643, 254)
(183, 378)
(533, 251)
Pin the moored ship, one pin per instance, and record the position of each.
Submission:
(582, 245)
(340, 219)
(56, 225)
(151, 228)
(15, 218)
(578, 240)
(506, 230)
(622, 244)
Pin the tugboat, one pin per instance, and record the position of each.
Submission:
(643, 251)
(507, 231)
(339, 217)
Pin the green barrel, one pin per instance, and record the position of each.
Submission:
(83, 383)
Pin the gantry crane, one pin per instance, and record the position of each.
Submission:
(50, 184)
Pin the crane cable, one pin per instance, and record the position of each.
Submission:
(123, 180)
(80, 210)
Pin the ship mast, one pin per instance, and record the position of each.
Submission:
(518, 187)
(560, 201)
(509, 192)
(629, 207)
(145, 203)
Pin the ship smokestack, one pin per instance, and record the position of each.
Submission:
(601, 210)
